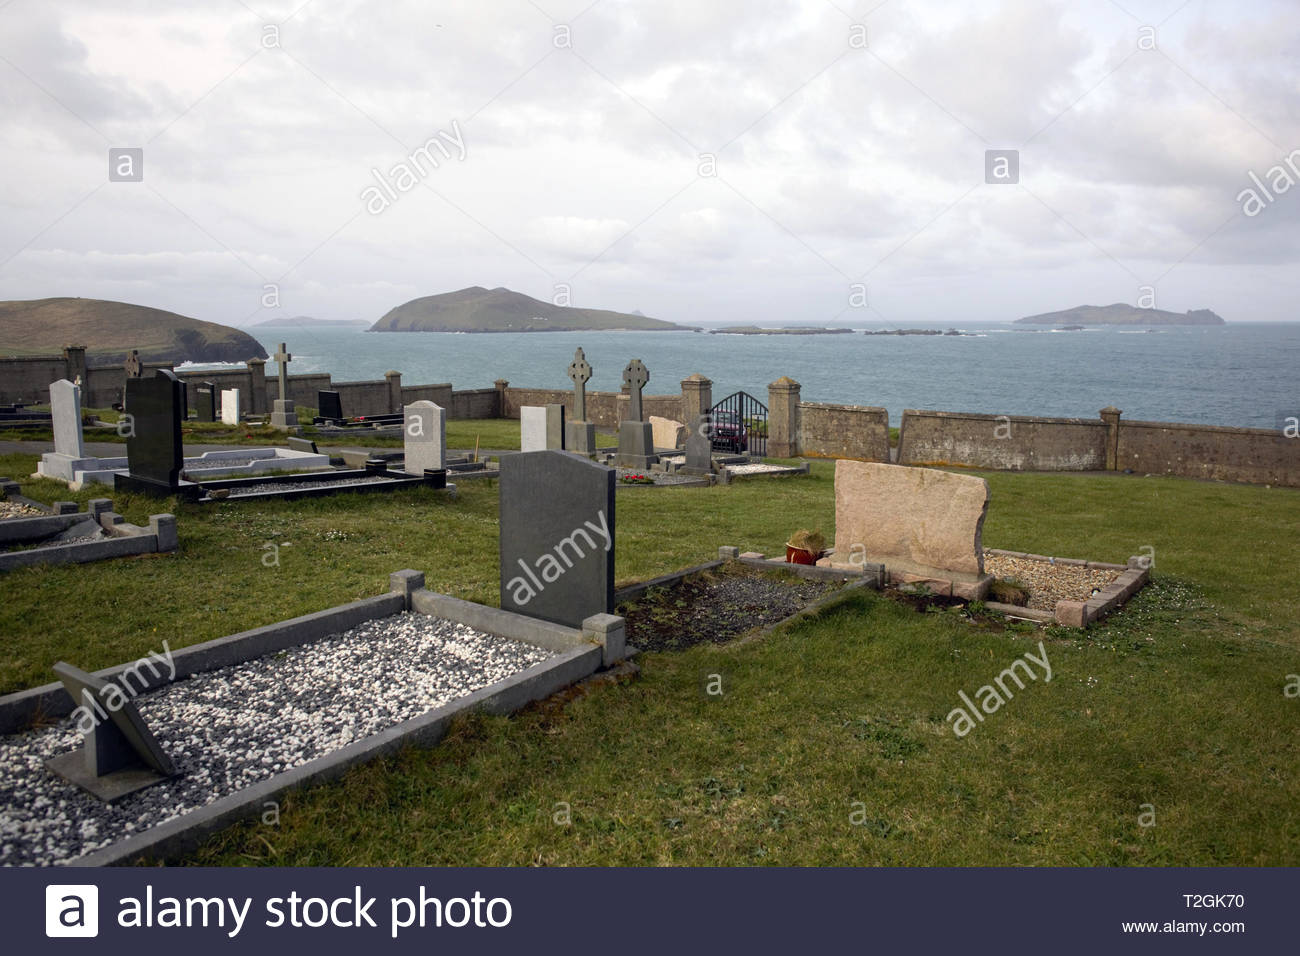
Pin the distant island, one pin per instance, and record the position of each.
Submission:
(477, 309)
(310, 322)
(109, 330)
(1121, 314)
(913, 332)
(789, 330)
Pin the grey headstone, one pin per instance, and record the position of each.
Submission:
(532, 428)
(580, 373)
(555, 427)
(283, 415)
(636, 446)
(65, 410)
(580, 437)
(329, 404)
(699, 446)
(230, 407)
(207, 402)
(134, 367)
(557, 536)
(120, 755)
(153, 446)
(425, 439)
(635, 377)
(282, 358)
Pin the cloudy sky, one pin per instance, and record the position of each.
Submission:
(770, 161)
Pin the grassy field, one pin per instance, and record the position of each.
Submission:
(1164, 738)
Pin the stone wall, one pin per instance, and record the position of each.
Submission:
(1257, 455)
(605, 409)
(475, 403)
(843, 431)
(362, 398)
(28, 379)
(1002, 442)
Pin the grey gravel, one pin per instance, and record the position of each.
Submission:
(262, 488)
(231, 728)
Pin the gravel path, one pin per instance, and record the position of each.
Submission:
(1049, 583)
(228, 729)
(12, 509)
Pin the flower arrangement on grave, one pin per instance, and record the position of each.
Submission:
(805, 547)
(637, 480)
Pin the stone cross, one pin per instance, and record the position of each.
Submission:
(282, 358)
(580, 372)
(133, 367)
(635, 378)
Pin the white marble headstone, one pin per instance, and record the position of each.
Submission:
(425, 440)
(65, 409)
(532, 428)
(230, 409)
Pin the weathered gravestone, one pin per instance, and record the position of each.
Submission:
(425, 437)
(207, 402)
(133, 366)
(699, 447)
(636, 447)
(330, 404)
(581, 434)
(666, 432)
(154, 450)
(922, 525)
(283, 415)
(557, 536)
(69, 448)
(119, 755)
(230, 410)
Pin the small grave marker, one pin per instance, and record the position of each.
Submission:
(425, 437)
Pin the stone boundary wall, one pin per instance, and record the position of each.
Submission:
(843, 431)
(605, 409)
(28, 378)
(1259, 456)
(474, 403)
(1002, 442)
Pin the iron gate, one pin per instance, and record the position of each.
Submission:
(740, 425)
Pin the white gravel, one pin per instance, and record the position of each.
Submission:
(756, 469)
(228, 729)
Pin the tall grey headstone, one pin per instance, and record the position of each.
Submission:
(154, 448)
(635, 377)
(69, 455)
(555, 427)
(230, 411)
(425, 438)
(557, 536)
(120, 755)
(532, 428)
(580, 434)
(636, 446)
(283, 415)
(699, 446)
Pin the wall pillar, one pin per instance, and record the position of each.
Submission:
(697, 397)
(1110, 415)
(394, 380)
(503, 408)
(783, 418)
(257, 403)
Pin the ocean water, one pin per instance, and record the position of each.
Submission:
(1237, 374)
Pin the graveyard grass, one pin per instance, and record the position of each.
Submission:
(829, 743)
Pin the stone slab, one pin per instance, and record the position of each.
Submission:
(424, 437)
(580, 437)
(555, 435)
(556, 543)
(65, 414)
(635, 445)
(532, 428)
(231, 411)
(667, 433)
(283, 415)
(918, 521)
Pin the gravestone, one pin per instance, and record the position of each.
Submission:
(699, 447)
(580, 434)
(230, 410)
(425, 438)
(283, 415)
(119, 755)
(555, 427)
(69, 447)
(667, 432)
(134, 367)
(207, 402)
(636, 447)
(557, 536)
(330, 404)
(921, 524)
(532, 428)
(154, 450)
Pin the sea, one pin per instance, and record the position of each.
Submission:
(1245, 374)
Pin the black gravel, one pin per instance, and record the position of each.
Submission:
(718, 606)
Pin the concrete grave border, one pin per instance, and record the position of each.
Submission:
(579, 653)
(124, 538)
(1134, 576)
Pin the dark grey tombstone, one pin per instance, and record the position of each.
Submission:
(557, 536)
(302, 444)
(154, 449)
(699, 446)
(119, 755)
(207, 402)
(329, 404)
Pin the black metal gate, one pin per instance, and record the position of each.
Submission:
(740, 425)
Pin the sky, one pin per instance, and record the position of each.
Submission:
(758, 161)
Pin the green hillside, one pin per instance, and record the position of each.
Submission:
(1121, 314)
(477, 309)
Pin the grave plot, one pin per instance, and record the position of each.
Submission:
(71, 537)
(719, 601)
(207, 734)
(375, 477)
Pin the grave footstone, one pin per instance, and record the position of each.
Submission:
(154, 452)
(207, 402)
(557, 536)
(425, 439)
(119, 755)
(636, 447)
(230, 410)
(532, 428)
(69, 447)
(330, 404)
(283, 415)
(580, 434)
